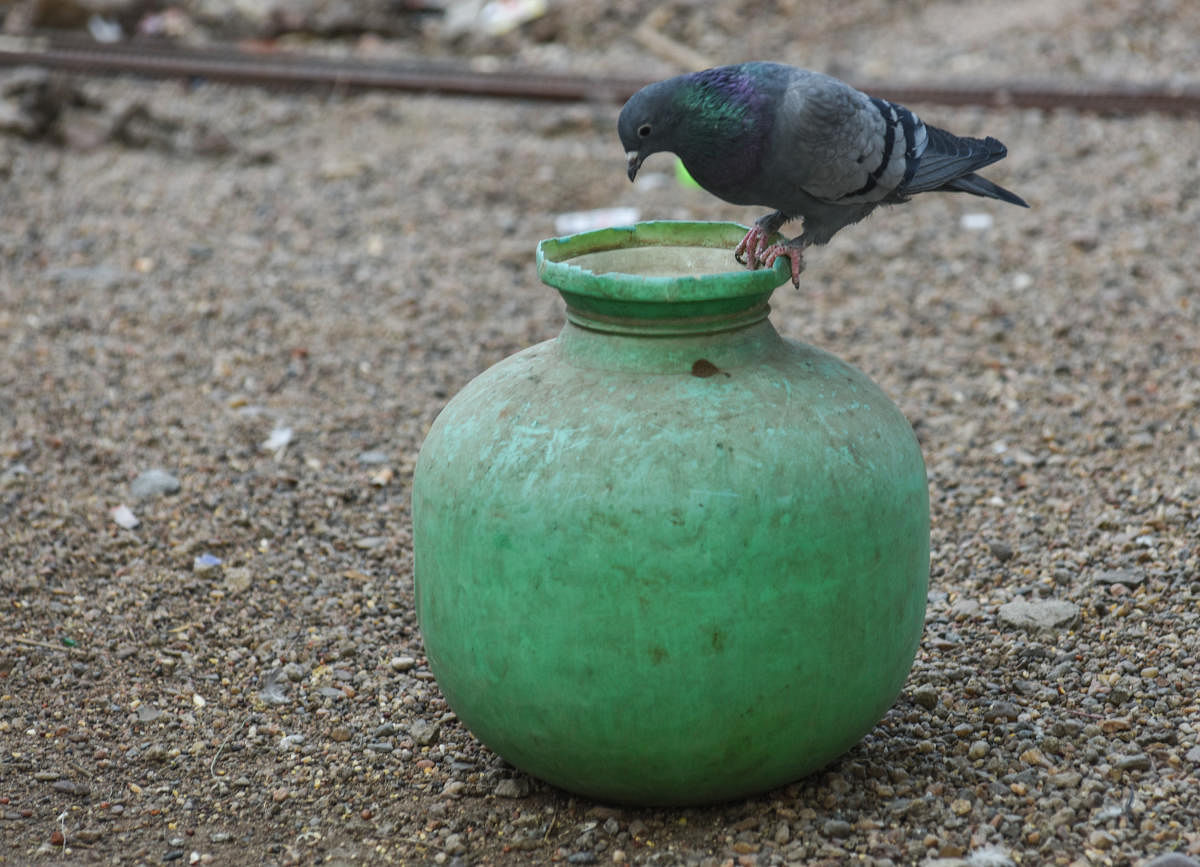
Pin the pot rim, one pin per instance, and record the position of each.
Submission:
(554, 265)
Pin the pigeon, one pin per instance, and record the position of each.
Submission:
(802, 143)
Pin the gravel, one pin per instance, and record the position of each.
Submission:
(235, 675)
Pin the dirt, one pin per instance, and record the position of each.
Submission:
(276, 320)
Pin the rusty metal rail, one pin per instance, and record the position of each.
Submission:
(231, 65)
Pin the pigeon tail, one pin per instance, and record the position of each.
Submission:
(947, 157)
(977, 186)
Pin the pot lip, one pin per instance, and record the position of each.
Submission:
(555, 269)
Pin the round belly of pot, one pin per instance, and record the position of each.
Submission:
(669, 557)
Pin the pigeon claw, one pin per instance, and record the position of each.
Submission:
(752, 247)
(794, 252)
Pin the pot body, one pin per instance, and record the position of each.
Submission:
(670, 568)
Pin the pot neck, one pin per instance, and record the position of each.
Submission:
(707, 351)
(698, 323)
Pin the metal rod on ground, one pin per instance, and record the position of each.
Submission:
(227, 64)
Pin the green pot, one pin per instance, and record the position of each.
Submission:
(669, 557)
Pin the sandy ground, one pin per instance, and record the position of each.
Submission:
(345, 264)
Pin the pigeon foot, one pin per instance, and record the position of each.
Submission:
(793, 249)
(752, 247)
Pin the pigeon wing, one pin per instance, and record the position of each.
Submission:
(839, 145)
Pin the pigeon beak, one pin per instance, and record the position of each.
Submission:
(633, 162)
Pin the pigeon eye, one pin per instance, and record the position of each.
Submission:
(643, 130)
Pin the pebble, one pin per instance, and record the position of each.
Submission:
(926, 697)
(153, 483)
(1127, 577)
(278, 441)
(1038, 614)
(837, 828)
(237, 579)
(514, 788)
(368, 542)
(1002, 551)
(423, 732)
(124, 517)
(1137, 762)
(402, 663)
(205, 563)
(71, 787)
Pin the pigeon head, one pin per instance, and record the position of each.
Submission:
(649, 123)
(701, 117)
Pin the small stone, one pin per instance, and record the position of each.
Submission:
(1063, 817)
(124, 518)
(1001, 711)
(1035, 757)
(238, 579)
(205, 563)
(402, 663)
(278, 441)
(153, 483)
(339, 734)
(70, 787)
(291, 743)
(1038, 614)
(220, 837)
(1101, 840)
(783, 833)
(1002, 551)
(454, 789)
(926, 697)
(1136, 762)
(837, 828)
(960, 806)
(1065, 779)
(146, 713)
(423, 732)
(454, 845)
(582, 858)
(978, 750)
(964, 609)
(373, 457)
(743, 847)
(1128, 577)
(512, 788)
